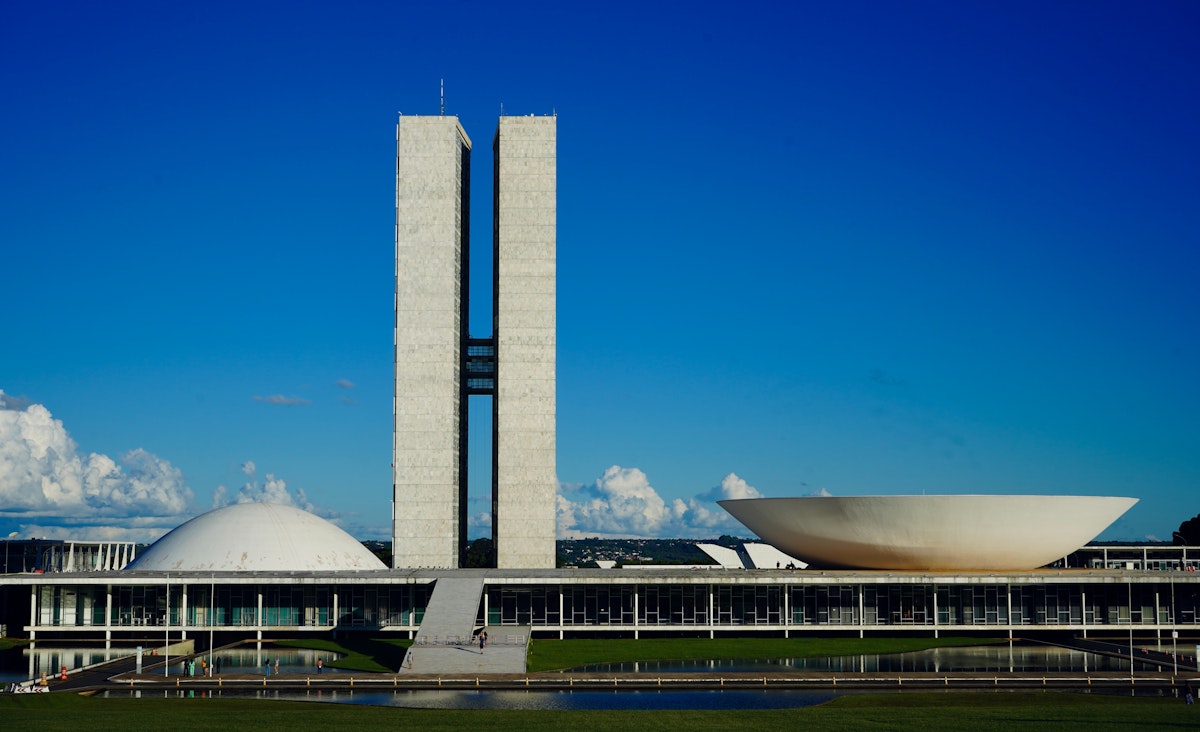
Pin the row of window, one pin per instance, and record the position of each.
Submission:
(627, 605)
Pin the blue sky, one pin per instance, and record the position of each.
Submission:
(845, 248)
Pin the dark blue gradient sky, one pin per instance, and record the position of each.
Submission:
(860, 247)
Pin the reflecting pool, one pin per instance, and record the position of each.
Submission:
(998, 658)
(562, 700)
(19, 664)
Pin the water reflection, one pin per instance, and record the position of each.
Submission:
(1003, 659)
(20, 664)
(255, 658)
(561, 700)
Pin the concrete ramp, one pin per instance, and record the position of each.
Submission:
(447, 642)
(450, 615)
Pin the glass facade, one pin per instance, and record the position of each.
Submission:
(620, 606)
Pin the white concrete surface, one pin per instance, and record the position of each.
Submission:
(432, 167)
(939, 533)
(526, 479)
(256, 537)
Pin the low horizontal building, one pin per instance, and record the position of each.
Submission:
(59, 555)
(131, 606)
(261, 570)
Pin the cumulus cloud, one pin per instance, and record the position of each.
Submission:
(48, 486)
(270, 490)
(345, 383)
(281, 400)
(622, 503)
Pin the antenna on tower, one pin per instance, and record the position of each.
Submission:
(442, 107)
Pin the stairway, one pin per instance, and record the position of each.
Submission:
(446, 642)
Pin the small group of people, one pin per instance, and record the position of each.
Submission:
(207, 670)
(482, 640)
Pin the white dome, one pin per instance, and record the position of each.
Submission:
(948, 533)
(256, 537)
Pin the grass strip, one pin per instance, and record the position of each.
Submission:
(926, 711)
(373, 655)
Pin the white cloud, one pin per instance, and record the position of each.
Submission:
(286, 401)
(271, 490)
(44, 476)
(621, 502)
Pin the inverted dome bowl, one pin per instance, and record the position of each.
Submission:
(952, 533)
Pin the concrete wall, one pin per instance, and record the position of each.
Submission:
(524, 475)
(432, 174)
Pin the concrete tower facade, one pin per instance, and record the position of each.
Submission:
(438, 364)
(524, 477)
(432, 215)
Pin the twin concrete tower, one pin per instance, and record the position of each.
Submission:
(439, 364)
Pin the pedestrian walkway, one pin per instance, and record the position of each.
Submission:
(450, 614)
(446, 642)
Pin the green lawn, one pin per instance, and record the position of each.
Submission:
(375, 655)
(550, 655)
(927, 712)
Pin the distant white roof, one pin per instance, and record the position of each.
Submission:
(256, 537)
(765, 556)
(724, 556)
(759, 556)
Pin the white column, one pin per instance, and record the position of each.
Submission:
(935, 612)
(108, 616)
(712, 612)
(33, 613)
(862, 611)
(1083, 610)
(1008, 596)
(636, 622)
(787, 610)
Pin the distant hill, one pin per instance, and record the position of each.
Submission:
(586, 552)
